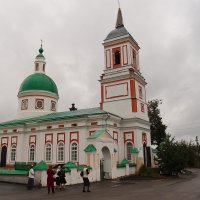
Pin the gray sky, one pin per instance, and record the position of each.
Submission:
(168, 33)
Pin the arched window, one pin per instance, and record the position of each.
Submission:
(60, 151)
(43, 67)
(13, 153)
(53, 105)
(74, 151)
(117, 58)
(32, 153)
(36, 66)
(48, 152)
(129, 146)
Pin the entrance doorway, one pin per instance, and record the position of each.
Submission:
(105, 164)
(147, 155)
(3, 156)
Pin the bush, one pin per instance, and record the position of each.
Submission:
(148, 171)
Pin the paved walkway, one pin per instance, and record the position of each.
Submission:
(185, 188)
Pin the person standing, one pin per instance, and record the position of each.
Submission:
(62, 178)
(58, 177)
(31, 176)
(86, 183)
(50, 179)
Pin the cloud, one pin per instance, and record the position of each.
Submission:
(73, 32)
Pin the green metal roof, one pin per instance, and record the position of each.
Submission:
(124, 161)
(42, 165)
(70, 165)
(90, 148)
(96, 134)
(38, 81)
(56, 116)
(134, 150)
(13, 172)
(118, 32)
(40, 56)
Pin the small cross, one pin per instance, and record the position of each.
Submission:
(41, 42)
(119, 3)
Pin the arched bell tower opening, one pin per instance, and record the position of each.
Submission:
(106, 163)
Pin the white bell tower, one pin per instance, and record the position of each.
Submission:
(122, 85)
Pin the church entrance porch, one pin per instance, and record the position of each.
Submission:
(105, 164)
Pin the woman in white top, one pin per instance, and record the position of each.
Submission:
(31, 176)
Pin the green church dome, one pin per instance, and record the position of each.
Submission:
(38, 81)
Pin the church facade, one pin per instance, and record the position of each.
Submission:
(104, 137)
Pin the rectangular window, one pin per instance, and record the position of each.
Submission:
(129, 146)
(13, 153)
(93, 123)
(144, 138)
(61, 156)
(60, 152)
(140, 92)
(108, 59)
(129, 153)
(53, 105)
(32, 153)
(116, 57)
(125, 55)
(115, 136)
(39, 104)
(142, 107)
(43, 67)
(74, 152)
(48, 152)
(37, 67)
(134, 58)
(24, 104)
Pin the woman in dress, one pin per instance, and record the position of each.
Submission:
(50, 179)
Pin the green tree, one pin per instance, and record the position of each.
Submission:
(197, 148)
(172, 156)
(157, 127)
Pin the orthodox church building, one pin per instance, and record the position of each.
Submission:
(109, 137)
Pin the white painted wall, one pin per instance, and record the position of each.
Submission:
(32, 111)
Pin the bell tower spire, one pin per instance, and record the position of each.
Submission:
(119, 22)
